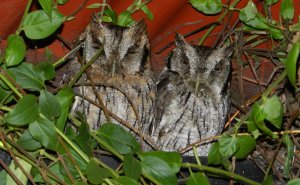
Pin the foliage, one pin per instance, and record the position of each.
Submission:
(35, 122)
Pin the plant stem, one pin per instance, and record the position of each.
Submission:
(214, 26)
(106, 146)
(83, 155)
(7, 82)
(24, 15)
(82, 69)
(222, 172)
(62, 60)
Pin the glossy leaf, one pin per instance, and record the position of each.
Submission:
(291, 62)
(148, 12)
(173, 159)
(253, 128)
(287, 9)
(95, 5)
(25, 112)
(274, 111)
(258, 115)
(209, 7)
(248, 13)
(268, 180)
(49, 105)
(15, 51)
(110, 16)
(65, 98)
(125, 19)
(289, 155)
(47, 69)
(28, 77)
(123, 180)
(95, 173)
(118, 138)
(5, 96)
(47, 6)
(295, 181)
(83, 137)
(132, 167)
(38, 25)
(43, 131)
(246, 145)
(55, 169)
(228, 145)
(27, 142)
(214, 156)
(61, 2)
(198, 179)
(16, 170)
(158, 169)
(270, 2)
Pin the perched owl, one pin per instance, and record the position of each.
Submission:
(121, 75)
(192, 97)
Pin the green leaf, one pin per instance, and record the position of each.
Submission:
(270, 2)
(158, 169)
(125, 19)
(111, 15)
(43, 131)
(55, 170)
(198, 179)
(246, 145)
(25, 112)
(253, 129)
(248, 13)
(123, 180)
(94, 5)
(173, 159)
(16, 170)
(27, 142)
(287, 9)
(5, 96)
(38, 25)
(132, 167)
(291, 63)
(61, 2)
(118, 138)
(83, 138)
(214, 156)
(28, 77)
(295, 181)
(49, 105)
(47, 6)
(3, 177)
(95, 173)
(228, 145)
(289, 157)
(274, 111)
(65, 98)
(15, 51)
(148, 12)
(208, 7)
(47, 69)
(268, 180)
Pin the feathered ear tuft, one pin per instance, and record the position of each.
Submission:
(179, 40)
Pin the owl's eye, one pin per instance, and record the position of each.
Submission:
(219, 66)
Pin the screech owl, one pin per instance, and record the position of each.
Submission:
(121, 74)
(192, 96)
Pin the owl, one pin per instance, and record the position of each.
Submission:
(121, 76)
(192, 97)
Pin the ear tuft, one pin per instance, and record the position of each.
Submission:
(179, 40)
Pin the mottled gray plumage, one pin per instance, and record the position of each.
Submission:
(192, 96)
(122, 74)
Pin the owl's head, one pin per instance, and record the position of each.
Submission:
(126, 49)
(200, 66)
